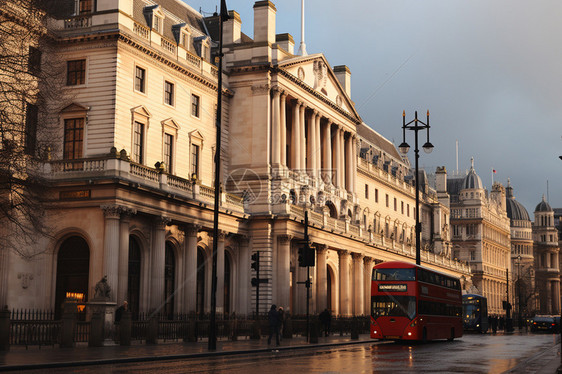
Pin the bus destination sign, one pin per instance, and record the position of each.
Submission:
(393, 287)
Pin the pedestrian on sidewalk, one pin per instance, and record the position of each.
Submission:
(325, 318)
(273, 317)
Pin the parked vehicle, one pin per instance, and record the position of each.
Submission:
(544, 324)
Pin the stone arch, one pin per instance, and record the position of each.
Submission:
(203, 279)
(332, 208)
(72, 270)
(332, 301)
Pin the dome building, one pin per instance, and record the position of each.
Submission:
(522, 258)
(546, 251)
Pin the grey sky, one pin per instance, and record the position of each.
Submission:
(490, 73)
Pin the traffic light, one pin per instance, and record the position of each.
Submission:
(309, 254)
(302, 261)
(255, 282)
(256, 261)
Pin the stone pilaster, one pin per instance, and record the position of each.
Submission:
(368, 264)
(126, 215)
(275, 128)
(295, 137)
(283, 128)
(321, 278)
(158, 263)
(283, 270)
(112, 213)
(358, 284)
(345, 287)
(189, 282)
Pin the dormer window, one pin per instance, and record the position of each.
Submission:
(182, 34)
(203, 45)
(154, 17)
(156, 23)
(84, 6)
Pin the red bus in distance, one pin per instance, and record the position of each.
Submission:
(411, 302)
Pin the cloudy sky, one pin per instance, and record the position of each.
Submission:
(490, 73)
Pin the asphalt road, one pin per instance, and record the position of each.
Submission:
(514, 353)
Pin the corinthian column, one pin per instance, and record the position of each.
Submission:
(190, 268)
(349, 165)
(345, 289)
(283, 130)
(112, 214)
(275, 129)
(295, 136)
(303, 138)
(283, 270)
(367, 285)
(337, 157)
(354, 164)
(158, 263)
(358, 284)
(321, 278)
(327, 149)
(317, 146)
(124, 255)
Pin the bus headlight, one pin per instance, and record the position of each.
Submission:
(409, 334)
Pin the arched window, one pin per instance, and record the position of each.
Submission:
(73, 269)
(169, 281)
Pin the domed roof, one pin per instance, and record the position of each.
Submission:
(515, 210)
(543, 206)
(472, 180)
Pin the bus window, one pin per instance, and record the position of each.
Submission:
(395, 306)
(394, 274)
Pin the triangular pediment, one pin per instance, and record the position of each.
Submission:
(195, 134)
(141, 110)
(315, 72)
(74, 107)
(171, 123)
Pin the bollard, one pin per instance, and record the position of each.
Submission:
(152, 333)
(5, 329)
(354, 329)
(288, 327)
(314, 331)
(68, 323)
(96, 330)
(125, 328)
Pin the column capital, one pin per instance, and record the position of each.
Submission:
(127, 214)
(340, 127)
(299, 103)
(357, 256)
(321, 249)
(111, 211)
(276, 90)
(222, 235)
(284, 238)
(160, 222)
(368, 260)
(242, 239)
(191, 229)
(343, 252)
(315, 112)
(260, 89)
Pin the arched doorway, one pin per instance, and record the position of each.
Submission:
(73, 270)
(169, 281)
(200, 298)
(227, 283)
(332, 207)
(134, 275)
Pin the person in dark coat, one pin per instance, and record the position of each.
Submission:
(119, 312)
(273, 317)
(325, 319)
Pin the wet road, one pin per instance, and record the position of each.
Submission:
(519, 353)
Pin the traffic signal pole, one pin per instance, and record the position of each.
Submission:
(307, 255)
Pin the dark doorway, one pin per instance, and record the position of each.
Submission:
(329, 295)
(227, 285)
(73, 270)
(200, 304)
(169, 281)
(133, 281)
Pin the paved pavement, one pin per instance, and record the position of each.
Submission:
(20, 358)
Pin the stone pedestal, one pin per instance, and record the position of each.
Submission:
(103, 313)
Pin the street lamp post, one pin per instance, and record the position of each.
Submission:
(519, 291)
(416, 125)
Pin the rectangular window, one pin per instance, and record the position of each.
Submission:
(30, 128)
(85, 6)
(402, 207)
(387, 201)
(195, 106)
(376, 195)
(140, 79)
(34, 61)
(75, 72)
(156, 23)
(138, 141)
(169, 93)
(195, 160)
(366, 191)
(395, 205)
(408, 210)
(168, 151)
(73, 138)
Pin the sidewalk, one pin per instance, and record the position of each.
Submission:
(18, 358)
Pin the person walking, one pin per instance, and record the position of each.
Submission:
(325, 318)
(273, 317)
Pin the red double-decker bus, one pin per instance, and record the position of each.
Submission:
(411, 302)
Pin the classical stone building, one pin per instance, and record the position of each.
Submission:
(131, 171)
(522, 256)
(546, 252)
(481, 236)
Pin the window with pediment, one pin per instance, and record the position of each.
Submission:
(139, 128)
(195, 147)
(170, 130)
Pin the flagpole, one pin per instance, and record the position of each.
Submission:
(492, 177)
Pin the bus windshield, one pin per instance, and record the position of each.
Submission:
(394, 274)
(394, 306)
(470, 311)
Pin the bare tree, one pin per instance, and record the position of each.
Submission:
(27, 82)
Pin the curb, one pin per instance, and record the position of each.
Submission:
(109, 361)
